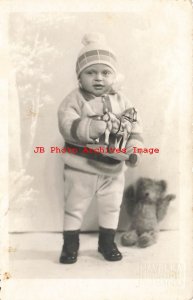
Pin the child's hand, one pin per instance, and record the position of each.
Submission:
(97, 128)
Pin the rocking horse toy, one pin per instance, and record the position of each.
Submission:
(115, 138)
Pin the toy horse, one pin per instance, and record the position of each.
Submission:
(124, 123)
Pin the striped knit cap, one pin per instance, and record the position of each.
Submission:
(95, 51)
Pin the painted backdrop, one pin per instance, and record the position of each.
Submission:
(151, 45)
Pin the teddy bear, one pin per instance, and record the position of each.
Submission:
(146, 204)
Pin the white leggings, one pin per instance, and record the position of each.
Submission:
(81, 187)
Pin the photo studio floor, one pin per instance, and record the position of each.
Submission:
(36, 255)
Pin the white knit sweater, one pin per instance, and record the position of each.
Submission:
(74, 124)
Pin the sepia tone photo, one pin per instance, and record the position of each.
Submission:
(99, 153)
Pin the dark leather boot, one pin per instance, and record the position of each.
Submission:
(70, 247)
(107, 246)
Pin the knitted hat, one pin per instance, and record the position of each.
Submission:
(95, 51)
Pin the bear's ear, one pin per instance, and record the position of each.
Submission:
(140, 181)
(163, 185)
(144, 181)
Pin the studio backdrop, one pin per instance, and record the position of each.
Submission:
(151, 48)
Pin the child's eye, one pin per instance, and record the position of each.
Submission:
(90, 72)
(106, 72)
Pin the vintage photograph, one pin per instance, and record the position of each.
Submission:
(100, 189)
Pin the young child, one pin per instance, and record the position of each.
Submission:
(86, 174)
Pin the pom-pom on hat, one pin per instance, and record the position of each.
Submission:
(95, 51)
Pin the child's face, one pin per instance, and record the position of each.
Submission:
(97, 79)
